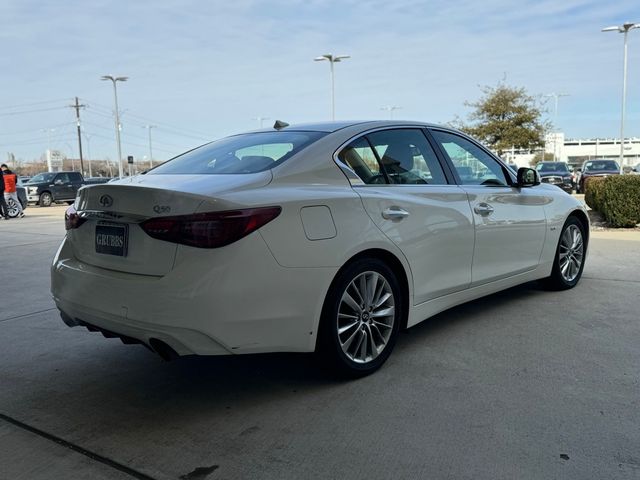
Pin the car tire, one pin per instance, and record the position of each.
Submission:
(361, 318)
(12, 208)
(569, 259)
(45, 199)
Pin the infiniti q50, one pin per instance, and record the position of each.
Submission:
(321, 237)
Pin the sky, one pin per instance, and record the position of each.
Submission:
(201, 70)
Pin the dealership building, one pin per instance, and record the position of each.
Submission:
(577, 151)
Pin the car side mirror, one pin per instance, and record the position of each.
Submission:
(528, 177)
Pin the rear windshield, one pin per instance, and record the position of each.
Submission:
(601, 165)
(248, 153)
(552, 167)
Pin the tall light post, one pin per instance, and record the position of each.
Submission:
(115, 96)
(332, 59)
(260, 120)
(149, 127)
(49, 131)
(624, 28)
(555, 97)
(390, 109)
(87, 137)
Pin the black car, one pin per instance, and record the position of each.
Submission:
(597, 168)
(46, 188)
(556, 173)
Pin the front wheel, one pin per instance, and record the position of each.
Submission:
(361, 318)
(570, 254)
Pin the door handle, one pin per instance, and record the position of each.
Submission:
(483, 209)
(394, 213)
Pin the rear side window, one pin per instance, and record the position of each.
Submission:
(248, 153)
(75, 177)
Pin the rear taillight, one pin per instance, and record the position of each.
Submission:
(72, 219)
(211, 229)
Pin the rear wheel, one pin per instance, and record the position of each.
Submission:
(361, 318)
(12, 208)
(46, 199)
(570, 253)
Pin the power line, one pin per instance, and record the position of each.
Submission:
(9, 107)
(31, 111)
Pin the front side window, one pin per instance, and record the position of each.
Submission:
(248, 153)
(474, 165)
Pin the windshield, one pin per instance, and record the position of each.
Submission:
(42, 177)
(600, 165)
(552, 167)
(248, 153)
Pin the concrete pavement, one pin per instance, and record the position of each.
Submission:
(523, 384)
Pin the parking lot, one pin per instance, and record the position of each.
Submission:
(524, 384)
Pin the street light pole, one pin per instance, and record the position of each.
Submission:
(115, 96)
(149, 127)
(332, 59)
(624, 28)
(260, 120)
(555, 96)
(87, 137)
(390, 109)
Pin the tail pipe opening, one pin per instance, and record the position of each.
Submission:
(165, 351)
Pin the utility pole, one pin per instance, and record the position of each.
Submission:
(77, 107)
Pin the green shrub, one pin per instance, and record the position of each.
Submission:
(593, 188)
(619, 200)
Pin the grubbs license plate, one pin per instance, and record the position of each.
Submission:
(111, 239)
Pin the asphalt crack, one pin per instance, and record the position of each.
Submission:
(27, 314)
(77, 448)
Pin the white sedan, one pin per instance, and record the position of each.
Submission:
(323, 237)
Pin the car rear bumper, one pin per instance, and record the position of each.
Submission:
(232, 300)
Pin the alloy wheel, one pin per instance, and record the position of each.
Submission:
(571, 253)
(366, 317)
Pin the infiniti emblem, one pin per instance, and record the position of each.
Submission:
(105, 201)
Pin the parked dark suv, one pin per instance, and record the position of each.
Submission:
(556, 173)
(46, 188)
(597, 168)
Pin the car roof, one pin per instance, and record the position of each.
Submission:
(334, 126)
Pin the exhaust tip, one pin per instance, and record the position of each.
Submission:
(69, 322)
(165, 351)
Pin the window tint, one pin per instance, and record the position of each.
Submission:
(75, 177)
(359, 156)
(249, 153)
(407, 157)
(474, 165)
(62, 177)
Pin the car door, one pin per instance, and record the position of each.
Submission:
(61, 186)
(510, 222)
(76, 182)
(407, 194)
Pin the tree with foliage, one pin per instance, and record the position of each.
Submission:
(506, 117)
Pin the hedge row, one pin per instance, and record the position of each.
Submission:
(617, 197)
